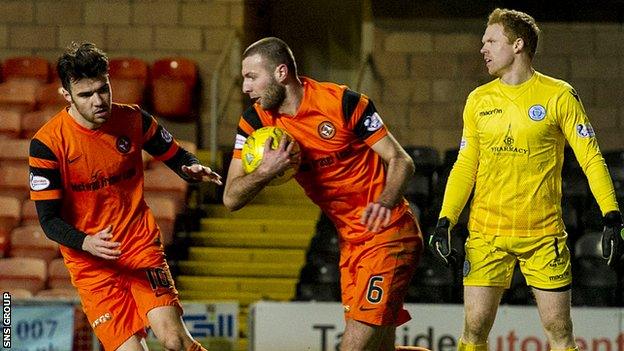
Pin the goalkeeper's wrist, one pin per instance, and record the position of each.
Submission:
(444, 223)
(613, 219)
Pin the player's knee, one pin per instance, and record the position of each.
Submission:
(476, 331)
(171, 341)
(558, 328)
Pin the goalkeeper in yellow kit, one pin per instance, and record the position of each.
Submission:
(511, 152)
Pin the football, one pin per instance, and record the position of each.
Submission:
(254, 148)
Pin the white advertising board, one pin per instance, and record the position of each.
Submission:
(318, 326)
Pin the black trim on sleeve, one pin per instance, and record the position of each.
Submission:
(146, 121)
(55, 228)
(53, 175)
(40, 150)
(157, 145)
(361, 129)
(350, 100)
(251, 116)
(182, 158)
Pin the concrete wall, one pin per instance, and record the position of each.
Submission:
(428, 67)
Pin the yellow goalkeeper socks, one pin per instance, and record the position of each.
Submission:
(471, 347)
(575, 348)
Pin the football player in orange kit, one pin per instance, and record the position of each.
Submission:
(352, 168)
(86, 178)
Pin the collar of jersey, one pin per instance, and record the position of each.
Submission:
(78, 127)
(514, 91)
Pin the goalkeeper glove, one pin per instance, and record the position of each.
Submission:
(440, 243)
(613, 238)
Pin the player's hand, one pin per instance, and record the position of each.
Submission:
(100, 244)
(440, 243)
(277, 161)
(202, 173)
(376, 216)
(613, 238)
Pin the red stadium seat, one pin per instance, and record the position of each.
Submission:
(58, 275)
(173, 88)
(128, 78)
(26, 68)
(30, 241)
(14, 152)
(32, 121)
(164, 209)
(163, 182)
(29, 213)
(49, 96)
(10, 214)
(14, 181)
(63, 294)
(23, 273)
(18, 95)
(10, 123)
(17, 293)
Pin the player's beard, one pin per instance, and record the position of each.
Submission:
(274, 96)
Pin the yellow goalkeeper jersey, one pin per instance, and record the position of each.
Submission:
(512, 153)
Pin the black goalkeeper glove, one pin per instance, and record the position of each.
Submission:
(440, 243)
(613, 238)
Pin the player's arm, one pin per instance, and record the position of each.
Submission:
(458, 187)
(241, 188)
(162, 146)
(582, 139)
(399, 168)
(46, 191)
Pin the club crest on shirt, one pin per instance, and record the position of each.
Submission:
(585, 130)
(38, 182)
(537, 112)
(373, 122)
(326, 130)
(166, 135)
(123, 144)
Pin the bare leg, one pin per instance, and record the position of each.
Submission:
(134, 343)
(360, 336)
(168, 327)
(480, 307)
(554, 311)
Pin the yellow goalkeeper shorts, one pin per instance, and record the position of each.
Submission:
(544, 261)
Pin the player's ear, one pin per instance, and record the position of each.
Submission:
(281, 72)
(518, 45)
(66, 95)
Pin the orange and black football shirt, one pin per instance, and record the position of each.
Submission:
(335, 128)
(98, 176)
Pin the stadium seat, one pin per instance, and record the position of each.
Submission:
(10, 123)
(17, 293)
(23, 273)
(318, 292)
(163, 182)
(49, 97)
(432, 282)
(29, 213)
(32, 121)
(10, 214)
(31, 241)
(164, 209)
(128, 78)
(14, 181)
(26, 68)
(14, 152)
(174, 81)
(594, 282)
(63, 294)
(58, 275)
(615, 161)
(18, 95)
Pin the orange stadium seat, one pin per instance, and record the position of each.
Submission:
(49, 96)
(29, 213)
(163, 182)
(58, 275)
(173, 88)
(26, 68)
(31, 241)
(32, 121)
(14, 152)
(14, 181)
(23, 273)
(17, 293)
(164, 209)
(10, 123)
(128, 79)
(67, 293)
(18, 96)
(10, 214)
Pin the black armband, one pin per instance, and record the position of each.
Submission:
(55, 228)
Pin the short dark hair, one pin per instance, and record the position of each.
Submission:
(517, 25)
(81, 60)
(275, 51)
